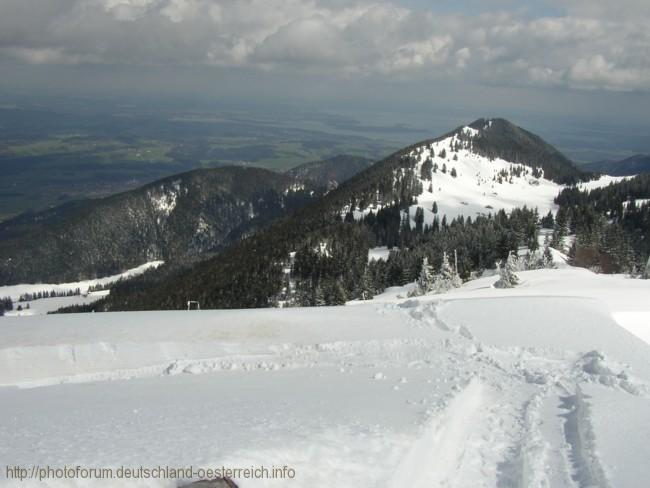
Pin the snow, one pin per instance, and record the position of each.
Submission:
(638, 203)
(470, 131)
(14, 291)
(377, 253)
(612, 445)
(635, 322)
(164, 201)
(202, 227)
(603, 181)
(538, 385)
(49, 304)
(294, 188)
(323, 249)
(475, 190)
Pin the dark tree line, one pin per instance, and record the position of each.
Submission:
(6, 305)
(611, 225)
(330, 262)
(28, 297)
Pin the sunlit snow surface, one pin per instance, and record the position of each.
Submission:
(534, 386)
(477, 189)
(43, 306)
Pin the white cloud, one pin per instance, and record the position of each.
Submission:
(593, 46)
(598, 72)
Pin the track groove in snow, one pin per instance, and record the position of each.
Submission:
(439, 453)
(508, 392)
(587, 469)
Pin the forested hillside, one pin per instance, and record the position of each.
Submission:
(611, 225)
(175, 219)
(319, 255)
(330, 173)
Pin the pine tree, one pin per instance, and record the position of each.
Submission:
(434, 208)
(426, 278)
(365, 289)
(548, 221)
(507, 276)
(419, 220)
(319, 297)
(339, 296)
(435, 226)
(301, 298)
(560, 231)
(448, 277)
(425, 171)
(547, 258)
(646, 273)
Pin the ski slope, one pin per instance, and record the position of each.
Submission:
(536, 386)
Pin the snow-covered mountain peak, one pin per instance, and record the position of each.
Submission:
(462, 182)
(476, 169)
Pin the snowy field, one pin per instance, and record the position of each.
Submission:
(44, 305)
(536, 386)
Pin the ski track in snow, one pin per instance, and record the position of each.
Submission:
(479, 436)
(486, 414)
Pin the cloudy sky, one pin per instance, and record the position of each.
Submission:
(581, 56)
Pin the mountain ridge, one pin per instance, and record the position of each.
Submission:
(637, 164)
(54, 228)
(180, 216)
(330, 238)
(331, 172)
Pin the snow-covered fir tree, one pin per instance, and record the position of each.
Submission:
(507, 276)
(547, 258)
(365, 290)
(430, 282)
(448, 277)
(646, 273)
(426, 280)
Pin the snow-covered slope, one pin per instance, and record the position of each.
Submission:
(603, 180)
(463, 182)
(45, 305)
(479, 387)
(481, 186)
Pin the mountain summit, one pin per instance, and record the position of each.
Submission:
(499, 138)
